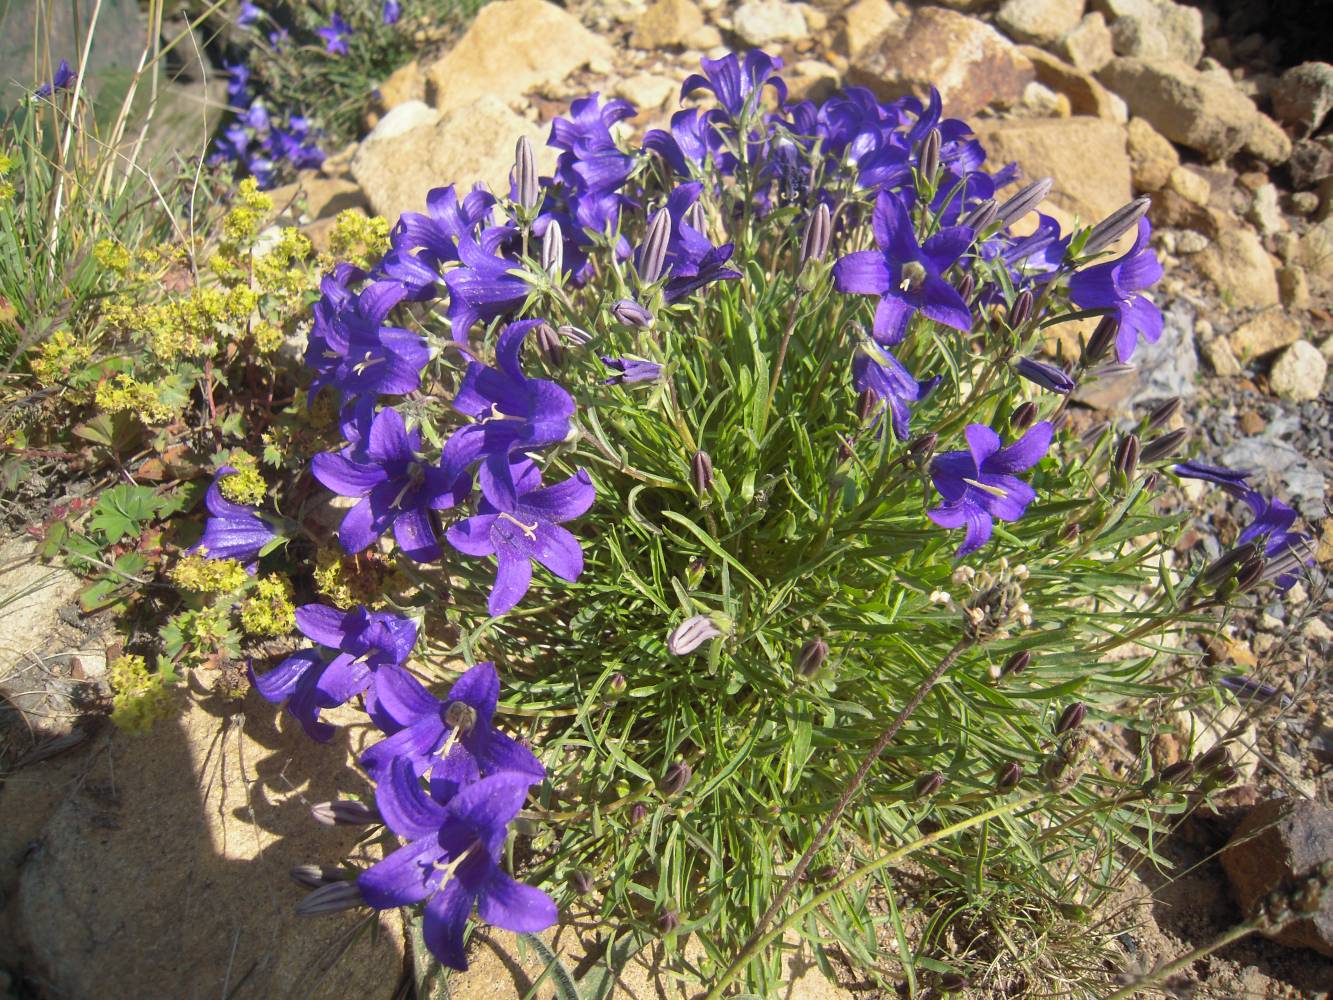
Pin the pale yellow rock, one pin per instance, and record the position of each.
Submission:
(1265, 333)
(1191, 186)
(1220, 357)
(646, 91)
(1085, 156)
(863, 22)
(163, 872)
(667, 23)
(406, 83)
(1298, 373)
(1239, 266)
(1088, 45)
(1151, 155)
(511, 48)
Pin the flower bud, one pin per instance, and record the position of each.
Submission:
(811, 657)
(1071, 718)
(617, 684)
(923, 447)
(690, 634)
(1177, 774)
(1021, 311)
(525, 174)
(1250, 574)
(1016, 664)
(929, 159)
(928, 784)
(667, 921)
(1070, 532)
(344, 812)
(573, 334)
(1226, 776)
(637, 814)
(548, 343)
(1101, 340)
(1160, 415)
(1224, 567)
(1022, 416)
(677, 777)
(581, 881)
(981, 216)
(1010, 775)
(701, 473)
(1127, 457)
(1024, 201)
(695, 217)
(631, 313)
(314, 876)
(1044, 375)
(952, 982)
(966, 286)
(1217, 757)
(652, 254)
(694, 572)
(867, 405)
(818, 232)
(1115, 225)
(332, 898)
(553, 250)
(1163, 447)
(1151, 481)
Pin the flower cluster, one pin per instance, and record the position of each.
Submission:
(917, 275)
(258, 141)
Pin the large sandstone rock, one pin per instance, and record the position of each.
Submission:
(1038, 21)
(1298, 373)
(1270, 330)
(513, 47)
(1155, 29)
(971, 63)
(1183, 104)
(397, 166)
(768, 22)
(1303, 95)
(668, 23)
(1085, 95)
(1267, 141)
(1241, 269)
(862, 23)
(1085, 156)
(1088, 45)
(1151, 156)
(1278, 846)
(162, 871)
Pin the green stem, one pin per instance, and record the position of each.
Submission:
(782, 357)
(1185, 961)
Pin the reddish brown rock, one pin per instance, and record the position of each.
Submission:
(1277, 847)
(971, 63)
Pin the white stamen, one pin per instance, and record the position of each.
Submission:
(994, 491)
(528, 529)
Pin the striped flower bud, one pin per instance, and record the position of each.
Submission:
(1160, 415)
(818, 232)
(314, 876)
(701, 473)
(695, 217)
(667, 922)
(928, 784)
(1024, 201)
(1071, 718)
(966, 286)
(929, 159)
(1115, 225)
(637, 814)
(344, 812)
(1127, 457)
(332, 898)
(1251, 573)
(550, 346)
(1224, 567)
(1177, 774)
(1022, 416)
(1022, 310)
(1016, 664)
(1042, 374)
(581, 882)
(553, 250)
(631, 313)
(1164, 446)
(1009, 776)
(690, 634)
(981, 216)
(652, 255)
(923, 447)
(811, 657)
(525, 174)
(1101, 340)
(573, 334)
(677, 777)
(1217, 757)
(867, 405)
(617, 684)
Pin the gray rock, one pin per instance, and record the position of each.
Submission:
(1155, 29)
(1088, 45)
(1279, 466)
(1169, 367)
(1038, 21)
(1298, 373)
(1303, 95)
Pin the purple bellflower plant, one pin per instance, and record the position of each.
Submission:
(1117, 287)
(233, 530)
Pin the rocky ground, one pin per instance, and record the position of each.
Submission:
(1214, 109)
